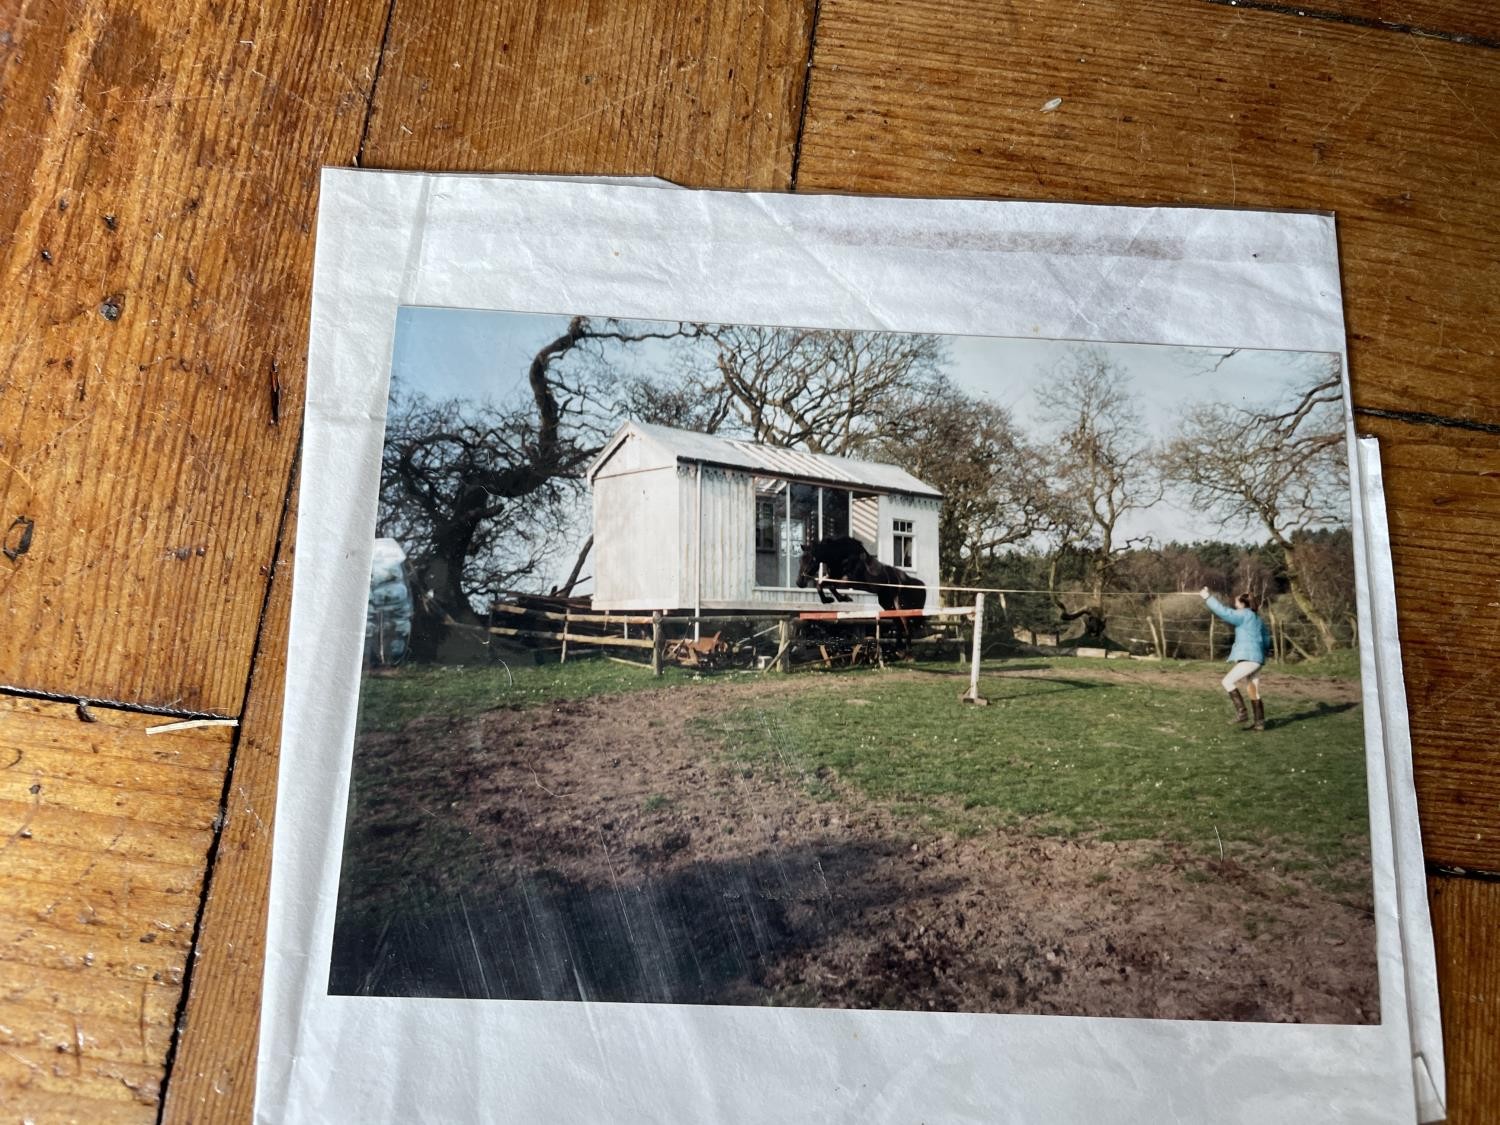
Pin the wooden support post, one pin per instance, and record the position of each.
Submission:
(972, 695)
(1213, 619)
(879, 649)
(564, 658)
(784, 646)
(658, 643)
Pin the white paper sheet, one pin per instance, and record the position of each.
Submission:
(1181, 276)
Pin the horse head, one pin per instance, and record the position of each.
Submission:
(807, 569)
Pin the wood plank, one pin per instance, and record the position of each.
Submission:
(154, 954)
(119, 1040)
(120, 1019)
(159, 191)
(109, 910)
(1466, 932)
(1453, 19)
(700, 93)
(74, 1109)
(1444, 513)
(97, 1079)
(213, 1073)
(168, 844)
(99, 911)
(1164, 102)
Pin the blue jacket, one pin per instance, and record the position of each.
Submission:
(1250, 639)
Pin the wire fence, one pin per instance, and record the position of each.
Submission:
(1174, 624)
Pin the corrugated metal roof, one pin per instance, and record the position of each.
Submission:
(687, 445)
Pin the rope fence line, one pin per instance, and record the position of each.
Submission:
(1009, 590)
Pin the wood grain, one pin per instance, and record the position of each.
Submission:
(1399, 135)
(213, 1073)
(105, 832)
(165, 159)
(157, 194)
(1466, 933)
(700, 93)
(1444, 510)
(1452, 19)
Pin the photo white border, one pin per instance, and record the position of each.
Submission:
(1149, 275)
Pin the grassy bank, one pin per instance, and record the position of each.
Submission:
(390, 700)
(1120, 749)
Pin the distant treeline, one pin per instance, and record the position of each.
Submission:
(1152, 604)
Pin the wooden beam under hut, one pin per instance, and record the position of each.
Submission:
(574, 615)
(610, 641)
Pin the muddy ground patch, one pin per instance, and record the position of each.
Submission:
(611, 849)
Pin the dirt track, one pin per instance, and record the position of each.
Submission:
(630, 861)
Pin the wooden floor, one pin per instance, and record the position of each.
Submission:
(158, 176)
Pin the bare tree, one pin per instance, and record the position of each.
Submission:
(994, 484)
(1281, 467)
(481, 496)
(827, 391)
(464, 489)
(1102, 470)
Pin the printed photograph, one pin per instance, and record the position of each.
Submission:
(735, 664)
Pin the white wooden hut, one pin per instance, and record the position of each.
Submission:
(690, 521)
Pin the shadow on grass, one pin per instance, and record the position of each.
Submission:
(1321, 710)
(1067, 686)
(707, 933)
(987, 667)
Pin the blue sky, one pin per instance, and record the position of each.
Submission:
(482, 355)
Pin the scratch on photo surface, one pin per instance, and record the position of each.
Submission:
(614, 879)
(537, 778)
(484, 983)
(827, 891)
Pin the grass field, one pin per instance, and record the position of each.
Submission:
(1126, 750)
(390, 700)
(1097, 840)
(1073, 746)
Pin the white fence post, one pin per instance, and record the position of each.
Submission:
(972, 695)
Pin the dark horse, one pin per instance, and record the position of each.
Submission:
(850, 565)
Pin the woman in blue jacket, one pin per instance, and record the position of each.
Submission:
(1248, 654)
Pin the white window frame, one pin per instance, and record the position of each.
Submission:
(904, 535)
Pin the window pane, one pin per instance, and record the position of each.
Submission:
(802, 527)
(835, 513)
(770, 513)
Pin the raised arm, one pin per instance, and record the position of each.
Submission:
(1233, 616)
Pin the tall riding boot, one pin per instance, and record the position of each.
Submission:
(1260, 715)
(1240, 714)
